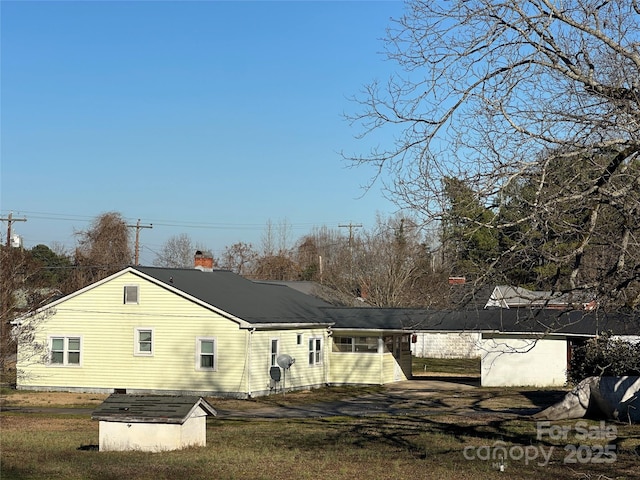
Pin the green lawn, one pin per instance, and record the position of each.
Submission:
(454, 366)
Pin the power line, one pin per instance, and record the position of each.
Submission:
(168, 223)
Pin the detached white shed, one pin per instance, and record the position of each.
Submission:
(152, 423)
(514, 360)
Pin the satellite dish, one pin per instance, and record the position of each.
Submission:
(285, 361)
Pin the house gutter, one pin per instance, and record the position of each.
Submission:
(249, 348)
(277, 326)
(381, 355)
(327, 353)
(375, 330)
(540, 334)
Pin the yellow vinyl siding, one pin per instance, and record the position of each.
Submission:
(301, 374)
(355, 368)
(108, 338)
(107, 328)
(367, 368)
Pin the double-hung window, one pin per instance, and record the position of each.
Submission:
(275, 348)
(144, 341)
(65, 351)
(206, 353)
(315, 351)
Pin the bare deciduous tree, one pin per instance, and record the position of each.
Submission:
(27, 336)
(177, 252)
(393, 266)
(22, 290)
(276, 267)
(491, 93)
(239, 258)
(103, 249)
(276, 238)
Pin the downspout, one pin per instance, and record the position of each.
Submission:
(327, 349)
(381, 355)
(249, 340)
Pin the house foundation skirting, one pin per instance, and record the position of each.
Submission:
(200, 393)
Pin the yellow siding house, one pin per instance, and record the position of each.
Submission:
(187, 331)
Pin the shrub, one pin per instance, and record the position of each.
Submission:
(604, 356)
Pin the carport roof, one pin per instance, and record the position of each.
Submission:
(548, 321)
(522, 321)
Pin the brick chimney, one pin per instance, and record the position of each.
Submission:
(203, 261)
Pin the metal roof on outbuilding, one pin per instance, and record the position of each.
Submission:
(150, 408)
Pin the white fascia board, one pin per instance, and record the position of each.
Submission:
(372, 330)
(284, 326)
(540, 334)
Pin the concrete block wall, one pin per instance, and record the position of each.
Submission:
(447, 345)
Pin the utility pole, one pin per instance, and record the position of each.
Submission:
(9, 221)
(7, 285)
(351, 226)
(137, 226)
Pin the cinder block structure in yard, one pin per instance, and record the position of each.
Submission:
(152, 423)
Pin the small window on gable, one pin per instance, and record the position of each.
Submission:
(130, 294)
(299, 339)
(144, 341)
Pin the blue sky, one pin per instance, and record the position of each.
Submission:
(204, 118)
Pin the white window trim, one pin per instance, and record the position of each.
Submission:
(136, 341)
(354, 344)
(273, 359)
(199, 353)
(65, 354)
(124, 293)
(320, 351)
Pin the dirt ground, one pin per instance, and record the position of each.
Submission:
(422, 395)
(51, 399)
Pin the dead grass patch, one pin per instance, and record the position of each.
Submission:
(402, 448)
(50, 399)
(426, 442)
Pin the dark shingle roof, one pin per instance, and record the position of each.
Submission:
(318, 290)
(150, 408)
(576, 322)
(266, 303)
(250, 301)
(375, 318)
